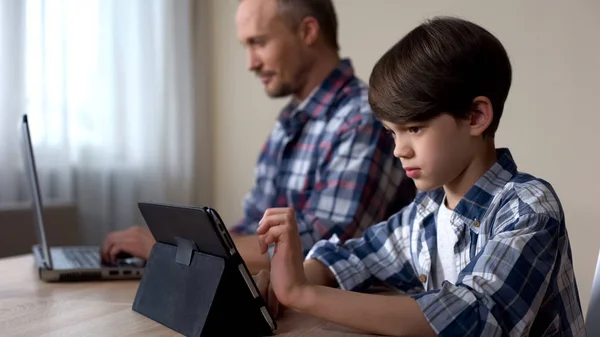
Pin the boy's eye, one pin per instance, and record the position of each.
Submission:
(389, 133)
(414, 129)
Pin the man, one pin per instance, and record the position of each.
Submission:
(327, 157)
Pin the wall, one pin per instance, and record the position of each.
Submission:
(550, 117)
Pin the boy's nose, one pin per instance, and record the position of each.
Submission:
(403, 150)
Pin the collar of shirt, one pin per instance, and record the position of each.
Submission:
(316, 104)
(473, 206)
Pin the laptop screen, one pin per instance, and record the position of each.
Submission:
(35, 191)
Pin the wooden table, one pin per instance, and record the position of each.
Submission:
(30, 307)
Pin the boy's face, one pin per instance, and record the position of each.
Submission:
(433, 153)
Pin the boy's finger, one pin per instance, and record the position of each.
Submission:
(275, 235)
(261, 281)
(262, 246)
(271, 221)
(275, 211)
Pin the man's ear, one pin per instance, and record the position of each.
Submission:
(308, 30)
(482, 115)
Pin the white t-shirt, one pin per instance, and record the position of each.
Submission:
(444, 268)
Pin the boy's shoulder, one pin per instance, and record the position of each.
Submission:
(501, 194)
(532, 195)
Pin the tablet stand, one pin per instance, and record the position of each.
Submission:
(197, 294)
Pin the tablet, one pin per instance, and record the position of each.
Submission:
(169, 224)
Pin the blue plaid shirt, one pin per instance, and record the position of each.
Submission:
(331, 160)
(513, 258)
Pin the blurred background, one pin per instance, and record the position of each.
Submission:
(151, 100)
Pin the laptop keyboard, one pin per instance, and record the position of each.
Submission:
(82, 257)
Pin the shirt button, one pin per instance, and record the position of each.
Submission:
(476, 224)
(423, 278)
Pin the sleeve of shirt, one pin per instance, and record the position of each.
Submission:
(252, 214)
(381, 254)
(351, 167)
(501, 290)
(248, 224)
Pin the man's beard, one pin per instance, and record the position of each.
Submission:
(283, 90)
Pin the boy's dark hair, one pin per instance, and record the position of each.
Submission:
(322, 10)
(437, 68)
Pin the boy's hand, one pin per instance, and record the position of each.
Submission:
(263, 282)
(288, 280)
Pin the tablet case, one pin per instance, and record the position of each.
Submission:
(197, 294)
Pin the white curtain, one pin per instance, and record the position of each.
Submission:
(109, 89)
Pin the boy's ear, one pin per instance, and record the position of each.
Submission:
(482, 115)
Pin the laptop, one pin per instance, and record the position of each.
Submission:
(592, 319)
(68, 263)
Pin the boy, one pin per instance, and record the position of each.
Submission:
(482, 251)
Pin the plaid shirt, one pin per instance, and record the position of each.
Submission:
(513, 257)
(329, 159)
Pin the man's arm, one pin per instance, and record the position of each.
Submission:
(255, 202)
(136, 240)
(243, 232)
(359, 178)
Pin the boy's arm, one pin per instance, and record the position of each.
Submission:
(318, 274)
(377, 314)
(381, 254)
(500, 292)
(295, 285)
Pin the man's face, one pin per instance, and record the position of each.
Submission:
(276, 54)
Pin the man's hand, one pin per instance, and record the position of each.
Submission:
(288, 280)
(136, 241)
